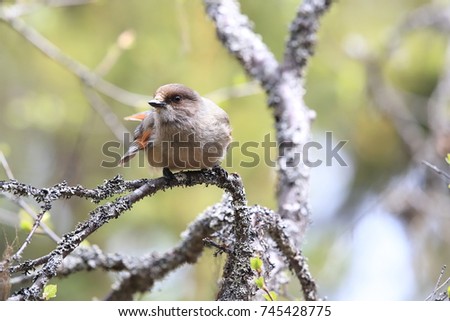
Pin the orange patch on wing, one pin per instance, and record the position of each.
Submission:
(137, 117)
(143, 139)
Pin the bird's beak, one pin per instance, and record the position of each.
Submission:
(157, 104)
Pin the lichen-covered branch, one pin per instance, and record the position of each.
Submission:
(273, 224)
(237, 279)
(217, 221)
(104, 213)
(142, 274)
(236, 33)
(283, 83)
(147, 269)
(116, 185)
(303, 35)
(293, 118)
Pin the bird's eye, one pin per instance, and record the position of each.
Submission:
(176, 99)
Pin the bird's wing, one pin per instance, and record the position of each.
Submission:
(142, 135)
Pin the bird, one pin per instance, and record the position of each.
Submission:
(183, 131)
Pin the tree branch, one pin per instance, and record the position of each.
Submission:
(441, 173)
(273, 223)
(303, 35)
(236, 33)
(103, 214)
(142, 276)
(216, 221)
(88, 77)
(293, 118)
(284, 87)
(24, 205)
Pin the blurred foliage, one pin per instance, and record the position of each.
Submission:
(50, 133)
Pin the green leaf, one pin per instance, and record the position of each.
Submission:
(25, 221)
(47, 219)
(85, 243)
(26, 225)
(448, 292)
(447, 159)
(50, 291)
(260, 282)
(256, 263)
(273, 296)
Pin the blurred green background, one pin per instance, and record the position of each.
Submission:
(50, 133)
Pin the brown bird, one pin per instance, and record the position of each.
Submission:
(183, 131)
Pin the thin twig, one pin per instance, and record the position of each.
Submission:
(30, 211)
(37, 222)
(437, 170)
(437, 286)
(439, 280)
(29, 264)
(123, 42)
(104, 111)
(24, 205)
(88, 77)
(5, 165)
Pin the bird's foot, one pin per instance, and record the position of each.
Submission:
(167, 173)
(220, 170)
